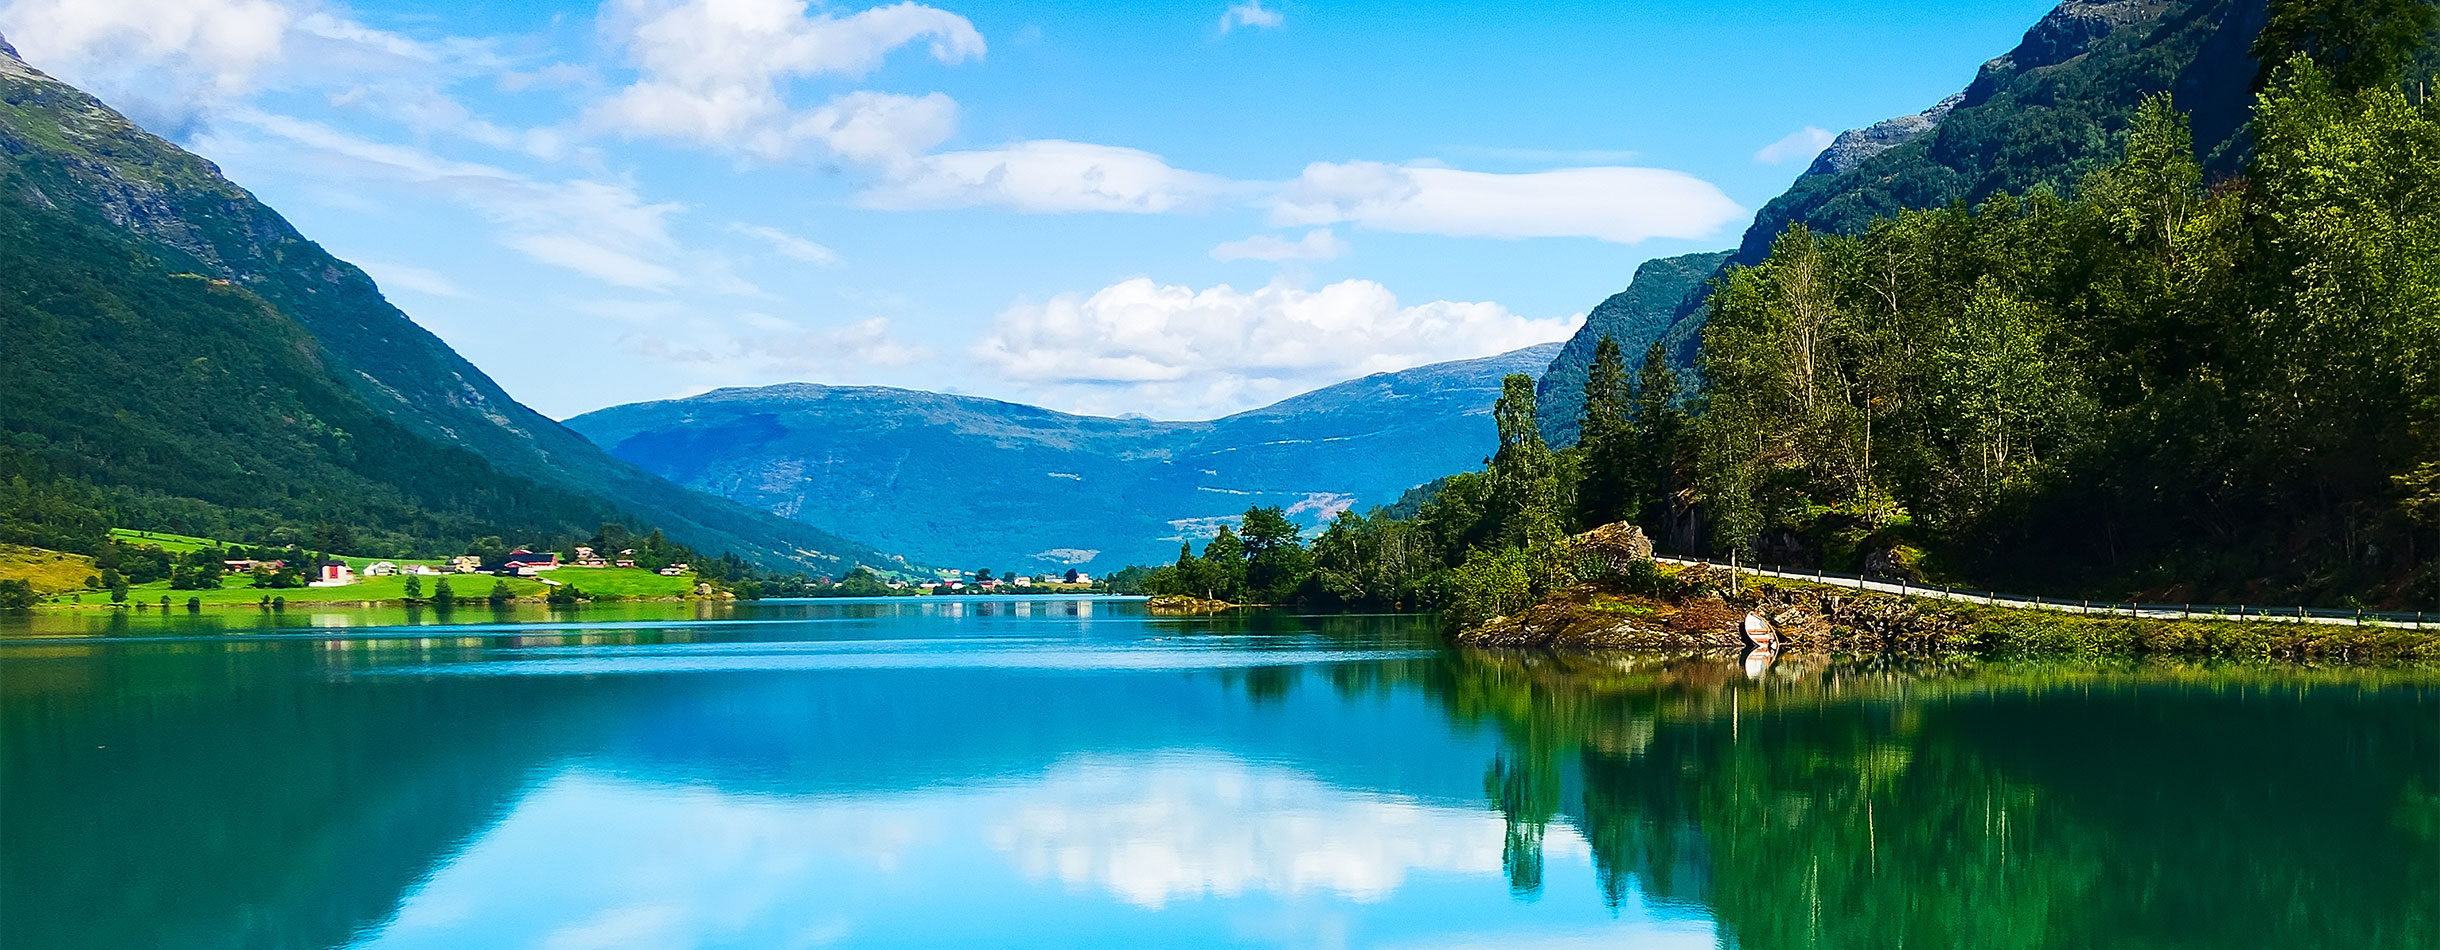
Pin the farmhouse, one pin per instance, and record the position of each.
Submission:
(527, 563)
(333, 572)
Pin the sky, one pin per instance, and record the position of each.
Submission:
(1178, 210)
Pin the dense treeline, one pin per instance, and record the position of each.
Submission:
(1482, 543)
(2162, 383)
(2226, 386)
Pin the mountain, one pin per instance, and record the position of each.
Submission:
(2044, 114)
(982, 483)
(174, 350)
(1635, 317)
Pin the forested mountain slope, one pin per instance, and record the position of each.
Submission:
(176, 353)
(982, 483)
(2041, 116)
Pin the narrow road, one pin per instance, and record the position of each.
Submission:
(2405, 621)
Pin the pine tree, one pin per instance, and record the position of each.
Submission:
(1608, 440)
(1658, 425)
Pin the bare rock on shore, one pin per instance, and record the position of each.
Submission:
(1186, 605)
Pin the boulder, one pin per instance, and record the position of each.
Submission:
(1616, 546)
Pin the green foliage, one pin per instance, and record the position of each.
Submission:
(415, 587)
(16, 594)
(1611, 489)
(441, 594)
(1489, 584)
(2363, 44)
(1524, 476)
(501, 593)
(2042, 387)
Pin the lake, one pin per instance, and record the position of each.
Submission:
(1074, 773)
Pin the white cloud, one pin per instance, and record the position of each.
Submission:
(1181, 352)
(602, 229)
(789, 245)
(698, 865)
(711, 72)
(1183, 827)
(878, 127)
(1317, 245)
(1047, 175)
(1618, 204)
(210, 50)
(1801, 144)
(1249, 13)
(173, 67)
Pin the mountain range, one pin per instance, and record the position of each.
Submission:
(174, 351)
(980, 483)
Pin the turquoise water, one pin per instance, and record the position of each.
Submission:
(1074, 773)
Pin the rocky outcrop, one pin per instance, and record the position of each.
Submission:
(1616, 546)
(1853, 146)
(2061, 35)
(1186, 605)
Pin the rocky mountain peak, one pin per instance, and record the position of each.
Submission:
(9, 51)
(1853, 146)
(2063, 34)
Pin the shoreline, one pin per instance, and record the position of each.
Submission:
(1687, 610)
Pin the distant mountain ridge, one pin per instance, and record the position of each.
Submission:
(976, 482)
(2044, 114)
(305, 395)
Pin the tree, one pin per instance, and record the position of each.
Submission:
(1608, 440)
(441, 594)
(1524, 476)
(118, 590)
(1277, 563)
(1657, 425)
(1070, 576)
(489, 547)
(2363, 44)
(501, 593)
(415, 587)
(16, 594)
(1222, 568)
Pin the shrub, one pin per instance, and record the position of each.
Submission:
(1489, 585)
(16, 594)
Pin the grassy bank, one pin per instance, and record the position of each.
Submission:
(601, 583)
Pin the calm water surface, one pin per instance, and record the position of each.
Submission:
(1067, 773)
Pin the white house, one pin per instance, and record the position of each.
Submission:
(333, 573)
(380, 569)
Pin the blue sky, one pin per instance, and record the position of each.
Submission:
(1179, 210)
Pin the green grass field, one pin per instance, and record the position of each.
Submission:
(181, 544)
(173, 543)
(49, 571)
(596, 582)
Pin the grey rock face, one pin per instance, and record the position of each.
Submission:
(1853, 146)
(2061, 35)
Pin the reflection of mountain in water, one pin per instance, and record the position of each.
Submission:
(2063, 809)
(291, 795)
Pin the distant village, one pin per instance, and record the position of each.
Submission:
(954, 581)
(333, 572)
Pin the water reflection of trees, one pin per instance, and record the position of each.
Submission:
(1830, 806)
